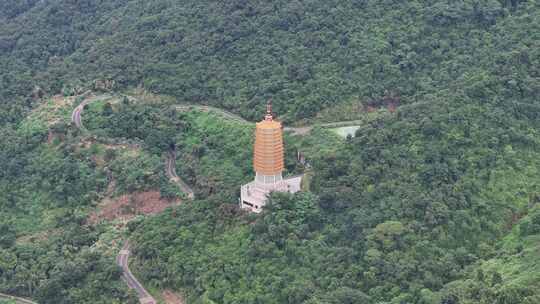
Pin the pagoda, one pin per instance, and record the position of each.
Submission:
(268, 164)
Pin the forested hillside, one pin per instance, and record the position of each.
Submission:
(47, 250)
(306, 55)
(436, 202)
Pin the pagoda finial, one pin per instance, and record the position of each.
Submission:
(268, 116)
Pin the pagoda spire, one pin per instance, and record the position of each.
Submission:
(269, 116)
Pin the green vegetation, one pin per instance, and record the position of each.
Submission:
(213, 153)
(416, 202)
(405, 212)
(437, 203)
(47, 252)
(512, 274)
(307, 56)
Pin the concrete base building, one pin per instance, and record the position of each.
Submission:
(268, 164)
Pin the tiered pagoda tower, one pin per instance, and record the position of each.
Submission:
(268, 149)
(268, 154)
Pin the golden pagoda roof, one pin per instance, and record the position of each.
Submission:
(265, 124)
(268, 158)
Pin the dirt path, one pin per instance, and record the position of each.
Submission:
(209, 109)
(171, 173)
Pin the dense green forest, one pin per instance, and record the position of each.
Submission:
(426, 205)
(306, 55)
(435, 203)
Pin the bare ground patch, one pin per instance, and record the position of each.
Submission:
(128, 206)
(171, 297)
(36, 237)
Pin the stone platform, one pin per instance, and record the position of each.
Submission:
(253, 195)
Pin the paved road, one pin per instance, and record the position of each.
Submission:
(76, 114)
(305, 130)
(123, 256)
(16, 299)
(295, 130)
(170, 165)
(131, 280)
(171, 173)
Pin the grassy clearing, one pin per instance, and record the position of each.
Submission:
(54, 111)
(345, 131)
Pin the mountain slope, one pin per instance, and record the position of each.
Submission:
(436, 202)
(305, 55)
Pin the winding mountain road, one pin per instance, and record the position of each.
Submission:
(76, 114)
(294, 130)
(123, 256)
(76, 119)
(170, 164)
(122, 260)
